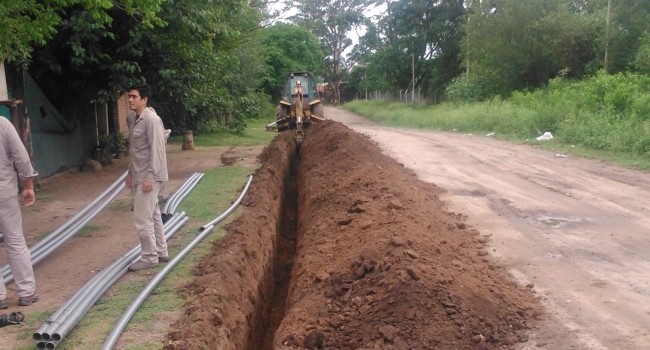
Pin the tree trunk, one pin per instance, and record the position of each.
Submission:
(188, 140)
(609, 17)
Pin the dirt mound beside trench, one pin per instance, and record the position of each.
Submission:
(379, 262)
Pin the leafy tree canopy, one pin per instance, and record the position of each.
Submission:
(289, 48)
(202, 59)
(331, 21)
(26, 23)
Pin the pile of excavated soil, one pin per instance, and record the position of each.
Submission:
(376, 261)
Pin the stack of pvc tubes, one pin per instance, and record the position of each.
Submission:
(62, 321)
(175, 200)
(68, 315)
(59, 236)
(205, 231)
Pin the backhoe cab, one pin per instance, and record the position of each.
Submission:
(299, 106)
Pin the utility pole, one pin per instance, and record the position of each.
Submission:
(468, 45)
(413, 75)
(365, 83)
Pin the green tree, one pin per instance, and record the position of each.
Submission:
(289, 48)
(511, 45)
(26, 23)
(431, 31)
(331, 21)
(94, 60)
(201, 59)
(629, 23)
(642, 57)
(412, 39)
(206, 64)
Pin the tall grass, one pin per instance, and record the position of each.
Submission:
(609, 114)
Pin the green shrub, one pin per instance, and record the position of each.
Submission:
(608, 113)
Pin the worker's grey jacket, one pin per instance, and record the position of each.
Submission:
(13, 157)
(147, 149)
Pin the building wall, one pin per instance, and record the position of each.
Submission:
(62, 140)
(57, 141)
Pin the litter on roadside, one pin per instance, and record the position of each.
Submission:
(546, 136)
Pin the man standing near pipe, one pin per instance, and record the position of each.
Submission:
(147, 172)
(14, 157)
(130, 120)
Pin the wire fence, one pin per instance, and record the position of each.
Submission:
(403, 96)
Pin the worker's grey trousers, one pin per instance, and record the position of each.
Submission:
(18, 255)
(149, 224)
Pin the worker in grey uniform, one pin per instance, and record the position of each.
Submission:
(14, 158)
(130, 120)
(147, 172)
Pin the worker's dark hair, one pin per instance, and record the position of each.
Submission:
(144, 90)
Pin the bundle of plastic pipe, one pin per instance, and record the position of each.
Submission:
(175, 200)
(68, 315)
(62, 321)
(59, 236)
(205, 231)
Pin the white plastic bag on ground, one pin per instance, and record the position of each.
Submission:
(546, 136)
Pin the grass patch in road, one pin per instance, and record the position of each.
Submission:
(40, 197)
(89, 229)
(33, 321)
(254, 134)
(120, 205)
(214, 193)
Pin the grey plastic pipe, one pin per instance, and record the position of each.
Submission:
(181, 197)
(191, 183)
(81, 296)
(74, 318)
(82, 213)
(170, 201)
(81, 306)
(45, 246)
(227, 212)
(60, 323)
(206, 229)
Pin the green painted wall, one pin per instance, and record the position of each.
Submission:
(56, 139)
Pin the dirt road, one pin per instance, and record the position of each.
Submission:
(577, 229)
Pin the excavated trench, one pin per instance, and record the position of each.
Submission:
(340, 247)
(272, 313)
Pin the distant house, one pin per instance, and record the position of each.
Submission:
(56, 140)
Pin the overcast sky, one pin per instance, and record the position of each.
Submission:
(354, 34)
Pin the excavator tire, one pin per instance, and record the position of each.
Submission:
(318, 110)
(280, 116)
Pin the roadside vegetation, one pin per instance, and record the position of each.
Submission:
(605, 117)
(254, 134)
(225, 62)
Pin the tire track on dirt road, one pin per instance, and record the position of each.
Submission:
(576, 228)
